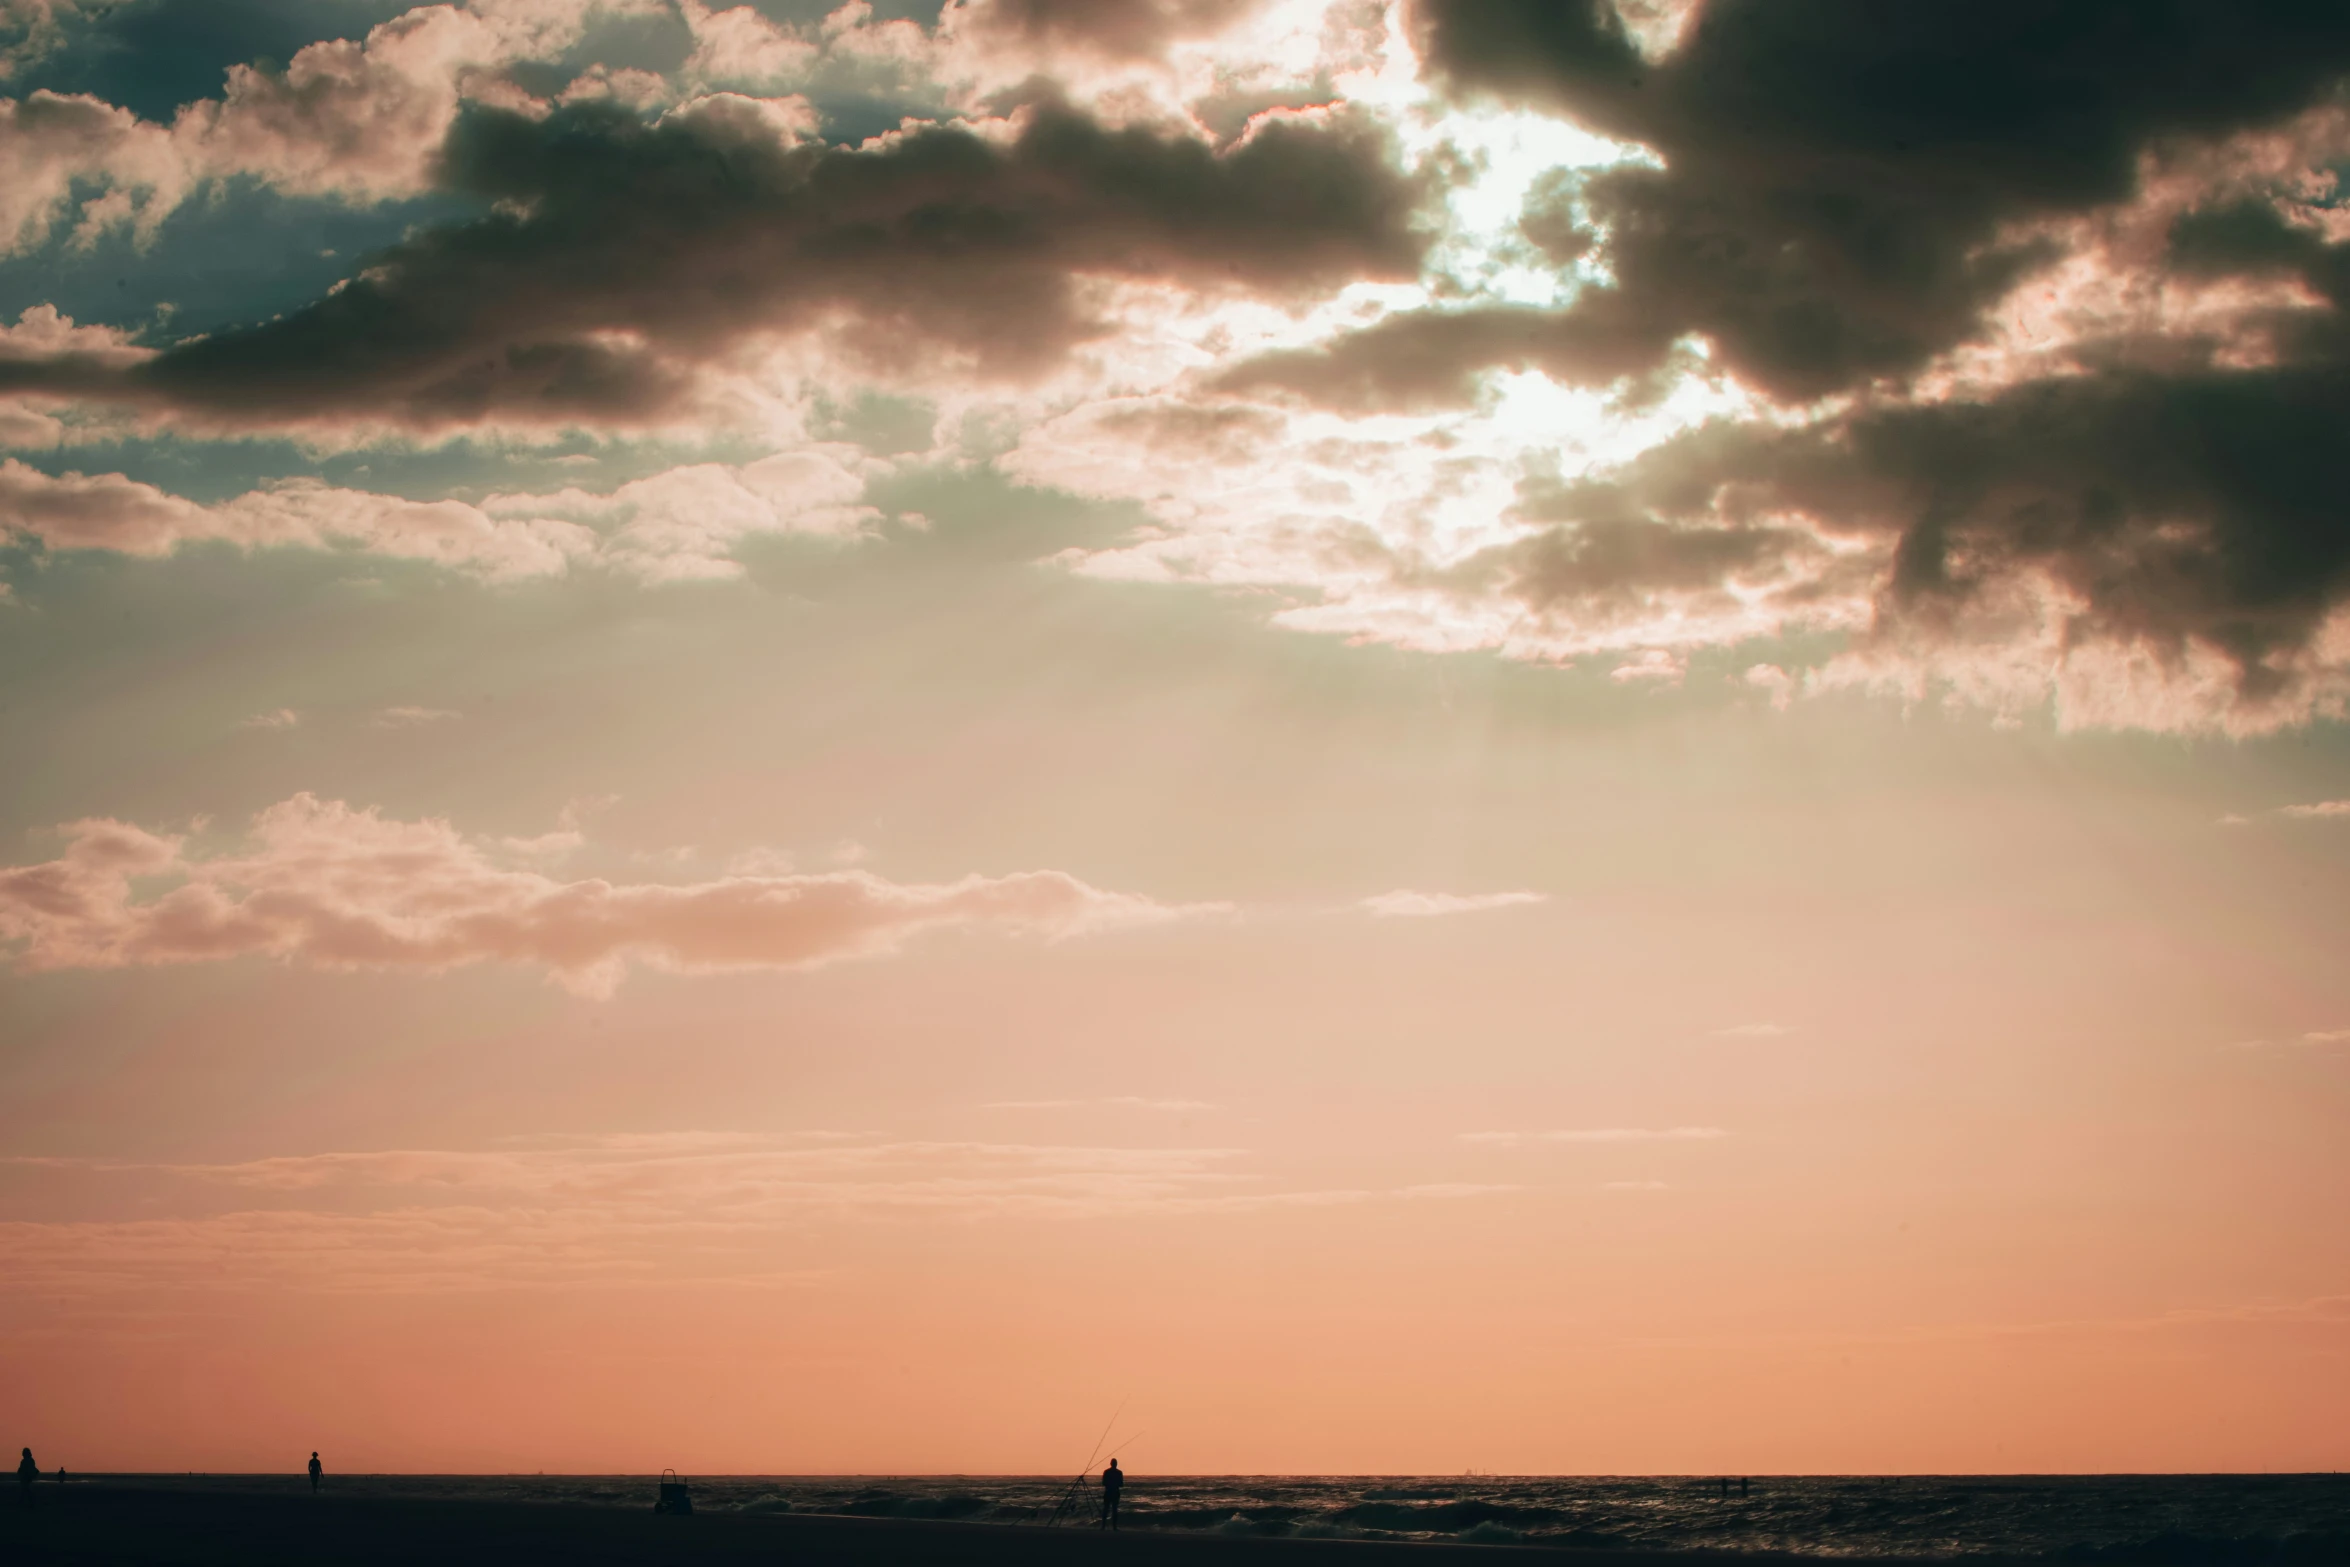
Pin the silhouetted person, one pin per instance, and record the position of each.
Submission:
(1742, 1485)
(26, 1473)
(1113, 1483)
(316, 1469)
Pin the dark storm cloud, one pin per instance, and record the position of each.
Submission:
(621, 253)
(2251, 239)
(1628, 559)
(1838, 173)
(2202, 509)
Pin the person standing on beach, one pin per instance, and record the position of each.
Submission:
(26, 1473)
(316, 1469)
(1113, 1482)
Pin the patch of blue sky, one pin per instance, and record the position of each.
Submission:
(151, 56)
(850, 118)
(236, 254)
(656, 41)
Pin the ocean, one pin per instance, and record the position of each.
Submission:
(2188, 1520)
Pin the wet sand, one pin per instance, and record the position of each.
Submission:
(122, 1522)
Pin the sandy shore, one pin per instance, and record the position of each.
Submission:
(122, 1522)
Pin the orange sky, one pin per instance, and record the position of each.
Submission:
(1251, 737)
(2007, 1151)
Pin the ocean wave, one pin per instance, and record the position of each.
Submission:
(2099, 1521)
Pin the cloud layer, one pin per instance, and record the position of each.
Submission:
(1843, 180)
(2037, 318)
(2000, 349)
(1598, 1134)
(623, 253)
(321, 883)
(624, 1211)
(679, 525)
(1406, 904)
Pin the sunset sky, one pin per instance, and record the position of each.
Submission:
(1499, 734)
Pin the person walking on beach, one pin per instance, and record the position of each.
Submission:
(316, 1469)
(26, 1473)
(1113, 1482)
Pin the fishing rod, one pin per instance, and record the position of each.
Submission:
(1068, 1500)
(1069, 1497)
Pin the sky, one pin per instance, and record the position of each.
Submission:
(1405, 735)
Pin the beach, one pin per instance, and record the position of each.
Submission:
(1232, 1521)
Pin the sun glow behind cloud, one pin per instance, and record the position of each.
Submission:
(1407, 455)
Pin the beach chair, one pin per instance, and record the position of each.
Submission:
(675, 1497)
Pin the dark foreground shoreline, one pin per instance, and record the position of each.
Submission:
(122, 1522)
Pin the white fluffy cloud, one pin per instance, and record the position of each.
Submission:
(684, 523)
(75, 511)
(362, 119)
(673, 526)
(322, 883)
(356, 119)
